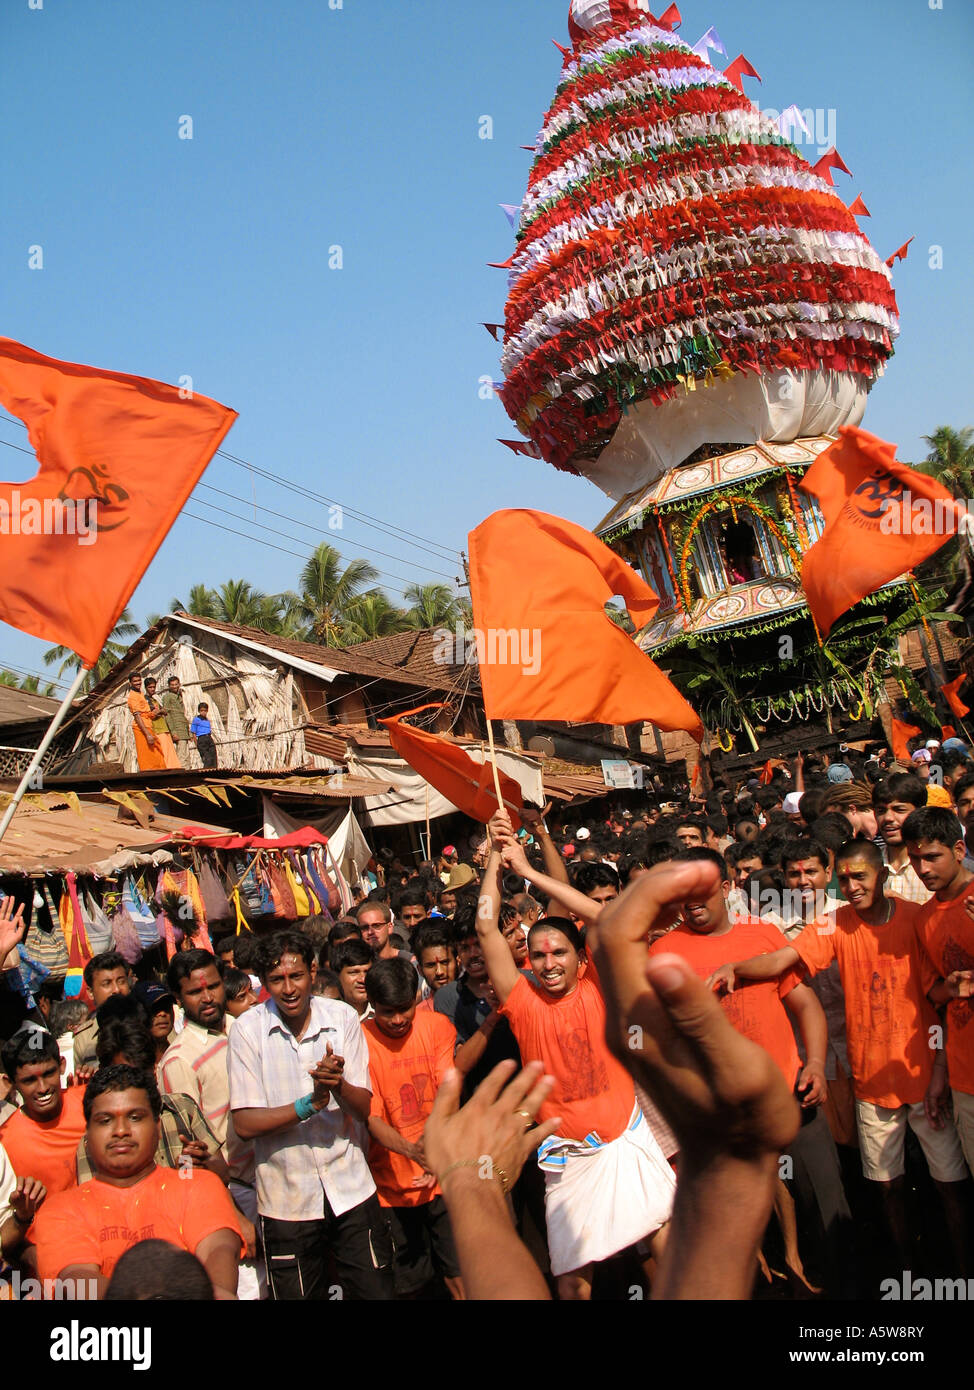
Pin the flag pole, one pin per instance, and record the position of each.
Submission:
(46, 742)
(493, 766)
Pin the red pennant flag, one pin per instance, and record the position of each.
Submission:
(566, 53)
(900, 254)
(858, 208)
(947, 731)
(495, 329)
(882, 519)
(902, 733)
(740, 68)
(520, 446)
(669, 19)
(950, 692)
(766, 773)
(830, 160)
(503, 265)
(468, 784)
(694, 776)
(546, 648)
(119, 455)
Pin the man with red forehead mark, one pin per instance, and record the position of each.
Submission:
(607, 1184)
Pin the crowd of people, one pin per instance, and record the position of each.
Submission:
(700, 1048)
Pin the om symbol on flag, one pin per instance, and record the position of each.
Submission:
(883, 489)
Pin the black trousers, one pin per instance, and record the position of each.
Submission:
(358, 1240)
(206, 749)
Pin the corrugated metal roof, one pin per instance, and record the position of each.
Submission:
(47, 836)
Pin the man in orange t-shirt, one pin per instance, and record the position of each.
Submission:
(42, 1137)
(809, 1195)
(890, 1028)
(83, 1232)
(409, 1054)
(607, 1183)
(945, 927)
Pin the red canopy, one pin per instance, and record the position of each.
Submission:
(298, 839)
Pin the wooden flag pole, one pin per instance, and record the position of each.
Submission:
(493, 764)
(38, 757)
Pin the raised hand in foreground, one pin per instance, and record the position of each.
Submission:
(477, 1153)
(723, 1095)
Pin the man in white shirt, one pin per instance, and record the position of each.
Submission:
(895, 798)
(299, 1087)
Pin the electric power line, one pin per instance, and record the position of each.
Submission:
(421, 542)
(337, 540)
(441, 553)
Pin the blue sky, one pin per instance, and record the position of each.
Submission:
(358, 127)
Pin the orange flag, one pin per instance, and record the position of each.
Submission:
(468, 784)
(766, 773)
(950, 692)
(545, 646)
(882, 518)
(902, 733)
(119, 455)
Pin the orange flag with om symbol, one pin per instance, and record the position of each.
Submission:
(882, 518)
(119, 455)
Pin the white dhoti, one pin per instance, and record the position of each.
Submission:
(600, 1198)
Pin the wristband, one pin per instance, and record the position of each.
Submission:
(305, 1107)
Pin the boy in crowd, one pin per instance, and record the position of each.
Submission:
(437, 961)
(894, 799)
(351, 961)
(239, 991)
(202, 731)
(409, 1054)
(945, 928)
(105, 974)
(42, 1137)
(889, 1023)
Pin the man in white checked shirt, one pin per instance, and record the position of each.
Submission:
(894, 799)
(299, 1087)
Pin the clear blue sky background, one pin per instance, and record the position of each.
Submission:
(358, 127)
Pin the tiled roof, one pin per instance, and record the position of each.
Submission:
(21, 707)
(418, 653)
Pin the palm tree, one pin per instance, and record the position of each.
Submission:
(327, 590)
(31, 684)
(951, 459)
(115, 648)
(372, 615)
(951, 462)
(432, 605)
(203, 603)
